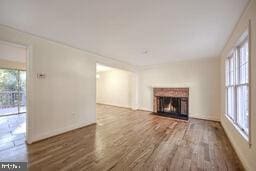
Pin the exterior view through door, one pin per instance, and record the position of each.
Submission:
(12, 92)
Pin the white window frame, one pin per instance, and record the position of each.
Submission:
(230, 85)
(236, 55)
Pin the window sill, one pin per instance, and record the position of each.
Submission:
(238, 129)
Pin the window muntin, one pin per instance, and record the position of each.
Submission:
(237, 86)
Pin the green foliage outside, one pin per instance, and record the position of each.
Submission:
(9, 86)
(8, 80)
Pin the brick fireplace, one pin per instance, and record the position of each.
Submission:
(171, 102)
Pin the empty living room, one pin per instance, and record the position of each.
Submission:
(167, 85)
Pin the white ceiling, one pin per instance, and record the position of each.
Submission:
(139, 32)
(12, 53)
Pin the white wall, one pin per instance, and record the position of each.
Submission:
(6, 64)
(65, 99)
(201, 76)
(11, 52)
(114, 88)
(246, 154)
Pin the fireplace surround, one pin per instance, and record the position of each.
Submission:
(171, 102)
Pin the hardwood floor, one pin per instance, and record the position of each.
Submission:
(132, 140)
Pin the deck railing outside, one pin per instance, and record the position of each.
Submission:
(12, 102)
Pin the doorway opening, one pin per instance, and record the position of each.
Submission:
(12, 92)
(113, 89)
(13, 103)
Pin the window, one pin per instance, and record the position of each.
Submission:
(230, 86)
(237, 86)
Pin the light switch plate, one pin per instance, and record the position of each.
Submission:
(41, 76)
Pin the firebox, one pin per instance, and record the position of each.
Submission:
(172, 102)
(173, 106)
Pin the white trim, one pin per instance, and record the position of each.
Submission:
(245, 37)
(205, 118)
(29, 88)
(58, 131)
(116, 105)
(13, 44)
(145, 109)
(234, 124)
(234, 144)
(249, 86)
(28, 83)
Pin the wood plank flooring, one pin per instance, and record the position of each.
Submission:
(124, 139)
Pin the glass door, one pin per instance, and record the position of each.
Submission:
(12, 92)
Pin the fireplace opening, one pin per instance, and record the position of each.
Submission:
(171, 102)
(169, 105)
(173, 106)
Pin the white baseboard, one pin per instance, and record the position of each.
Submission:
(57, 132)
(235, 145)
(205, 118)
(145, 109)
(117, 105)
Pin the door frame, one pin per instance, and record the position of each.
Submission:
(28, 84)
